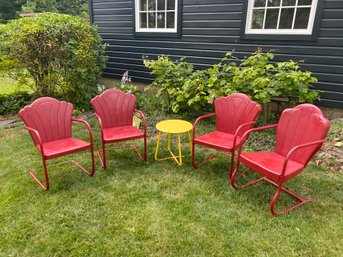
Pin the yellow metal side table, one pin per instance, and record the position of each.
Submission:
(173, 127)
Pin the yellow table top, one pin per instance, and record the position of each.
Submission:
(174, 126)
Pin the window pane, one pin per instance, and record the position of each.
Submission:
(304, 2)
(286, 18)
(143, 20)
(271, 18)
(161, 17)
(301, 20)
(257, 19)
(152, 20)
(143, 5)
(170, 4)
(274, 2)
(152, 5)
(170, 20)
(288, 3)
(161, 4)
(260, 3)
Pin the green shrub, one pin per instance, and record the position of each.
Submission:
(12, 103)
(181, 87)
(263, 80)
(170, 79)
(56, 55)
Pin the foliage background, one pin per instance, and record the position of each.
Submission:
(181, 86)
(10, 9)
(56, 55)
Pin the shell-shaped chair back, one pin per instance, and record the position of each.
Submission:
(235, 110)
(303, 124)
(50, 117)
(114, 107)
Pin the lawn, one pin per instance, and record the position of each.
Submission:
(7, 86)
(157, 208)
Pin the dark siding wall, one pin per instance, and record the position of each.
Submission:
(210, 28)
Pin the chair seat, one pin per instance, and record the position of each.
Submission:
(117, 134)
(270, 164)
(63, 146)
(218, 140)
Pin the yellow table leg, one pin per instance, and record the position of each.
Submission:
(158, 143)
(190, 141)
(177, 158)
(169, 142)
(180, 153)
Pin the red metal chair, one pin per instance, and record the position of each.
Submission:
(234, 114)
(300, 133)
(114, 110)
(49, 123)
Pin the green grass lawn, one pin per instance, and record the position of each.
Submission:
(157, 208)
(7, 86)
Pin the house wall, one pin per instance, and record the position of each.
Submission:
(210, 28)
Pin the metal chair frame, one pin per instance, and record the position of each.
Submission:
(281, 180)
(232, 151)
(134, 147)
(46, 185)
(229, 121)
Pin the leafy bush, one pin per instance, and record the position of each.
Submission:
(263, 80)
(170, 78)
(56, 55)
(180, 86)
(12, 103)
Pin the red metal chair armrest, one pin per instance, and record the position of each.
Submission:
(247, 133)
(100, 125)
(38, 137)
(143, 118)
(294, 149)
(87, 126)
(238, 130)
(200, 118)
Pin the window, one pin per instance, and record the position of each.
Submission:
(156, 15)
(288, 17)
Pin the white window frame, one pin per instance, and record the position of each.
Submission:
(308, 31)
(163, 30)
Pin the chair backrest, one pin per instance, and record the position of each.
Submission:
(114, 107)
(303, 124)
(50, 117)
(235, 110)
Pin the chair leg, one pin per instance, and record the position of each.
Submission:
(93, 161)
(196, 166)
(103, 160)
(82, 168)
(33, 175)
(234, 176)
(301, 201)
(46, 186)
(193, 153)
(232, 161)
(104, 154)
(144, 148)
(279, 187)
